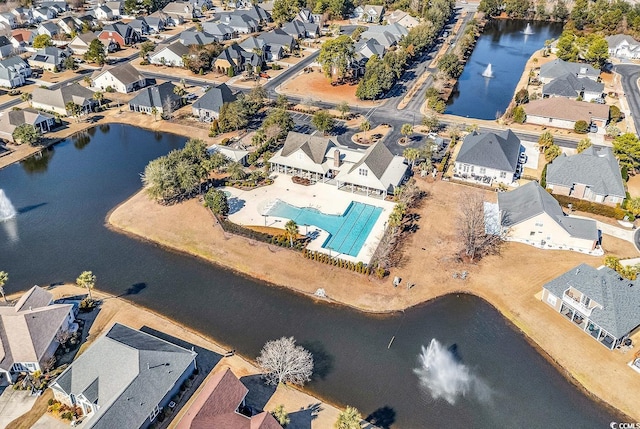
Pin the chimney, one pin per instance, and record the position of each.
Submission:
(336, 158)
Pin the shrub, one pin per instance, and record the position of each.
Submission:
(225, 141)
(543, 177)
(50, 401)
(625, 173)
(615, 114)
(581, 127)
(519, 115)
(590, 207)
(109, 89)
(87, 305)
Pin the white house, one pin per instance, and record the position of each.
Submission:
(488, 157)
(11, 119)
(13, 72)
(375, 171)
(103, 13)
(530, 215)
(55, 100)
(123, 78)
(6, 47)
(41, 14)
(8, 19)
(623, 47)
(169, 55)
(28, 332)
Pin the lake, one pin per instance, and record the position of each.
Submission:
(505, 46)
(63, 197)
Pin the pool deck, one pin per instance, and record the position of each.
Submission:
(326, 198)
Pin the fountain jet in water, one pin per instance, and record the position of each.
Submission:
(528, 30)
(7, 211)
(444, 376)
(488, 72)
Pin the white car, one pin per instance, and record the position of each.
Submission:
(522, 158)
(191, 96)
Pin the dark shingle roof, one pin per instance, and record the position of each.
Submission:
(377, 158)
(570, 86)
(499, 151)
(619, 297)
(196, 38)
(215, 98)
(155, 96)
(134, 371)
(558, 67)
(595, 167)
(530, 200)
(314, 146)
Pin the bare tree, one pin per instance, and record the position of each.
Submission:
(475, 240)
(63, 336)
(167, 109)
(48, 364)
(284, 362)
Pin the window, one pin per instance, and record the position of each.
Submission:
(483, 170)
(503, 174)
(154, 413)
(363, 171)
(539, 224)
(551, 299)
(532, 233)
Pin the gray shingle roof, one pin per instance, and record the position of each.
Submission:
(35, 297)
(61, 96)
(377, 157)
(134, 371)
(215, 98)
(197, 38)
(619, 297)
(570, 86)
(176, 47)
(530, 200)
(155, 96)
(558, 68)
(499, 151)
(277, 37)
(595, 167)
(314, 146)
(125, 73)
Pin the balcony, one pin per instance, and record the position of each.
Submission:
(576, 304)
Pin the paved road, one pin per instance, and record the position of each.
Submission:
(630, 73)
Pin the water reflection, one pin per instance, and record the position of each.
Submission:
(39, 162)
(81, 140)
(10, 227)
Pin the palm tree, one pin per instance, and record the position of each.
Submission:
(411, 154)
(98, 96)
(154, 112)
(87, 280)
(406, 130)
(26, 96)
(281, 416)
(350, 418)
(291, 228)
(236, 171)
(365, 126)
(4, 278)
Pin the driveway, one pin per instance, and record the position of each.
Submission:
(49, 422)
(13, 404)
(532, 152)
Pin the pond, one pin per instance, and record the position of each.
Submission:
(491, 74)
(63, 197)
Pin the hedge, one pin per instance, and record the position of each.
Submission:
(359, 267)
(590, 207)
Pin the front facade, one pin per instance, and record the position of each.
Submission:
(159, 97)
(124, 379)
(488, 158)
(374, 172)
(55, 100)
(171, 55)
(593, 175)
(529, 215)
(13, 72)
(123, 78)
(563, 113)
(207, 107)
(28, 332)
(623, 47)
(600, 302)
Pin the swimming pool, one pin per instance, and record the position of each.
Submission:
(347, 232)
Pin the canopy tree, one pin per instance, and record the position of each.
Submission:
(96, 53)
(336, 56)
(284, 362)
(26, 134)
(86, 280)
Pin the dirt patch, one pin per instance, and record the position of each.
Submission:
(633, 186)
(318, 87)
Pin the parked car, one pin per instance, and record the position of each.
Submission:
(593, 128)
(600, 100)
(522, 158)
(191, 96)
(205, 88)
(264, 75)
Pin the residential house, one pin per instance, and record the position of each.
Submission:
(169, 55)
(55, 100)
(50, 58)
(308, 17)
(155, 24)
(570, 86)
(139, 26)
(242, 23)
(623, 47)
(123, 78)
(116, 8)
(124, 379)
(598, 301)
(161, 97)
(276, 38)
(375, 171)
(220, 404)
(21, 39)
(8, 19)
(488, 157)
(564, 113)
(28, 331)
(6, 47)
(11, 119)
(120, 33)
(79, 45)
(257, 46)
(219, 30)
(207, 107)
(42, 13)
(48, 28)
(402, 18)
(89, 21)
(238, 59)
(57, 6)
(189, 38)
(363, 50)
(258, 14)
(24, 15)
(69, 25)
(301, 30)
(592, 175)
(558, 68)
(232, 154)
(103, 13)
(13, 72)
(530, 215)
(369, 13)
(180, 11)
(387, 35)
